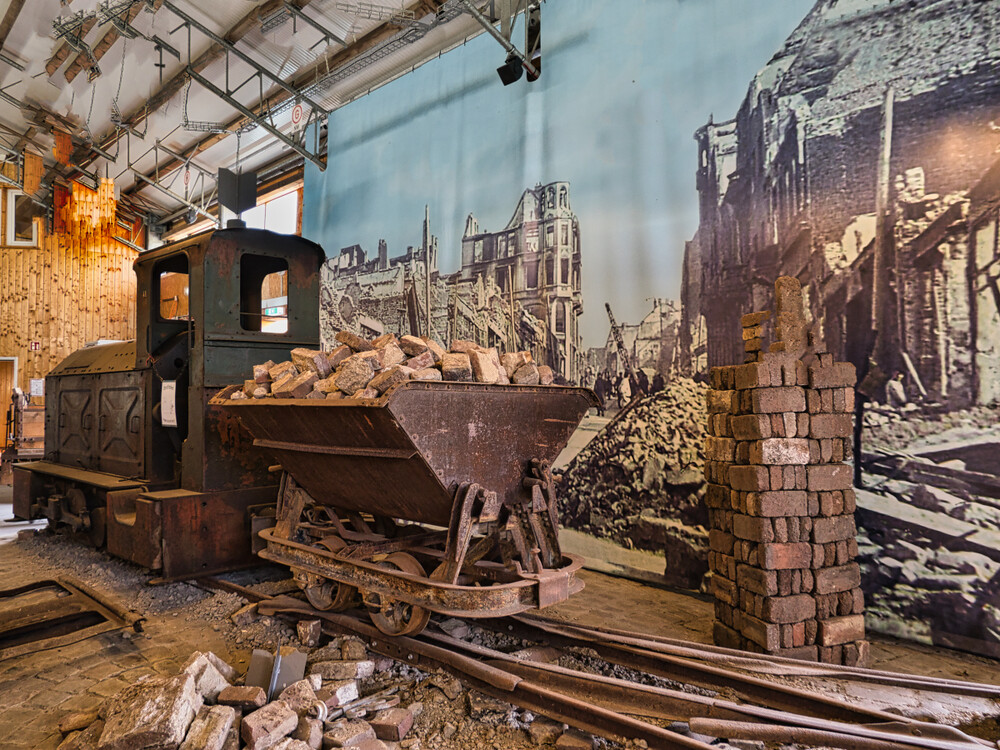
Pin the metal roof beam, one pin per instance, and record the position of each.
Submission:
(231, 49)
(321, 70)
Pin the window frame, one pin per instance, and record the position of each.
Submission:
(11, 237)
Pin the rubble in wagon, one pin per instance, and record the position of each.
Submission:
(363, 369)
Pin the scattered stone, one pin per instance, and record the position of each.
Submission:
(526, 374)
(291, 744)
(447, 684)
(429, 373)
(573, 739)
(353, 649)
(356, 343)
(456, 367)
(210, 728)
(209, 681)
(336, 693)
(545, 375)
(309, 359)
(85, 739)
(392, 724)
(151, 713)
(309, 731)
(76, 721)
(391, 355)
(545, 731)
(486, 708)
(455, 628)
(309, 632)
(348, 733)
(354, 374)
(265, 726)
(299, 696)
(387, 379)
(245, 697)
(436, 349)
(484, 369)
(344, 670)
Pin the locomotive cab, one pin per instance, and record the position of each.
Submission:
(135, 455)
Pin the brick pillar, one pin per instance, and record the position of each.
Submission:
(780, 499)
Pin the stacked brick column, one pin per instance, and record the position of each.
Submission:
(780, 498)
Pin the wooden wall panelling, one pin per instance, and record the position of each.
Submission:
(75, 287)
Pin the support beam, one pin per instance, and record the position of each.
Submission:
(62, 53)
(81, 62)
(7, 23)
(304, 79)
(175, 84)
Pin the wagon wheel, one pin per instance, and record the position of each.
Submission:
(394, 617)
(322, 593)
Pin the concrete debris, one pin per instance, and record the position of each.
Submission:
(152, 713)
(309, 632)
(643, 467)
(210, 728)
(390, 706)
(362, 369)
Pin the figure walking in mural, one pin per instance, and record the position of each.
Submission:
(602, 387)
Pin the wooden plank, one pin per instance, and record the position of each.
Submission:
(62, 53)
(13, 11)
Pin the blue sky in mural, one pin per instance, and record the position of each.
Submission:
(624, 86)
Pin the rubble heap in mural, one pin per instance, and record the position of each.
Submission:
(828, 135)
(518, 288)
(639, 481)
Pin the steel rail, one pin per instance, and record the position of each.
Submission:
(778, 665)
(498, 682)
(753, 689)
(600, 704)
(744, 730)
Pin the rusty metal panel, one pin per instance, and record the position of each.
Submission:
(120, 423)
(116, 357)
(207, 532)
(402, 454)
(134, 528)
(73, 436)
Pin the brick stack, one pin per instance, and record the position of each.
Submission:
(780, 498)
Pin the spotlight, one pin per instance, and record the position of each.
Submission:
(511, 70)
(191, 217)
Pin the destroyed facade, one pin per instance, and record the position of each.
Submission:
(518, 288)
(852, 175)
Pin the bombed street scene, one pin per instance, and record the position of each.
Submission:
(630, 385)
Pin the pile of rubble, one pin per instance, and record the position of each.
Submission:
(930, 553)
(205, 708)
(363, 369)
(896, 427)
(332, 696)
(639, 482)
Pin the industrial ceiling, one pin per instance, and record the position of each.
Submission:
(159, 94)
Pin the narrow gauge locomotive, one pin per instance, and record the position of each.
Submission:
(137, 459)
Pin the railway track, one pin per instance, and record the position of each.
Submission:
(736, 695)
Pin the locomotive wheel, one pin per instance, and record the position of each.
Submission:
(322, 593)
(394, 617)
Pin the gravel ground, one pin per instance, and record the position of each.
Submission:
(450, 717)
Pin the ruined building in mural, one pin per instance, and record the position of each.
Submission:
(869, 110)
(518, 288)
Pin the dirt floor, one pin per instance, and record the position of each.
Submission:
(39, 689)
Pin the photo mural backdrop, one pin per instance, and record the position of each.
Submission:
(674, 158)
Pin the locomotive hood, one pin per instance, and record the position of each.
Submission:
(115, 357)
